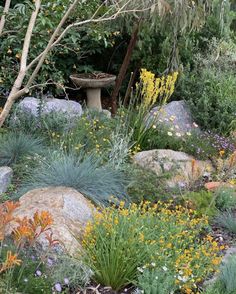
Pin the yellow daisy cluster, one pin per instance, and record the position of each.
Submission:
(153, 88)
(171, 237)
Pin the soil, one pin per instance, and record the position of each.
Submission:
(95, 76)
(222, 236)
(97, 289)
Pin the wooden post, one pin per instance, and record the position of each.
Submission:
(124, 68)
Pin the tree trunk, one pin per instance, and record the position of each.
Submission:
(124, 68)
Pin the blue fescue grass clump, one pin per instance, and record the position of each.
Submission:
(228, 273)
(15, 146)
(85, 174)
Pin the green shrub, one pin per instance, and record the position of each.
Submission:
(145, 184)
(228, 220)
(25, 279)
(203, 202)
(91, 133)
(210, 89)
(121, 242)
(157, 281)
(14, 146)
(86, 175)
(72, 270)
(225, 198)
(43, 125)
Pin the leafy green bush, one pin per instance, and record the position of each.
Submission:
(86, 175)
(25, 279)
(157, 281)
(225, 198)
(210, 90)
(14, 146)
(58, 66)
(91, 133)
(70, 272)
(204, 145)
(121, 242)
(228, 220)
(43, 125)
(145, 184)
(203, 202)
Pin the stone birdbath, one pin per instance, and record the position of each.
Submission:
(93, 84)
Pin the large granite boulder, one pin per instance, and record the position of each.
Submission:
(182, 167)
(6, 174)
(31, 105)
(69, 209)
(176, 115)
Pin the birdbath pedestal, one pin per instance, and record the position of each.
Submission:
(93, 83)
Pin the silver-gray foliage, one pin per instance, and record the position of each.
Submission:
(14, 146)
(85, 174)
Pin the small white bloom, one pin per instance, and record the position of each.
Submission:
(178, 134)
(195, 125)
(188, 134)
(154, 126)
(170, 134)
(165, 269)
(180, 278)
(140, 269)
(153, 264)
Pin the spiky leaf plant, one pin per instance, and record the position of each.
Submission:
(15, 146)
(85, 174)
(227, 274)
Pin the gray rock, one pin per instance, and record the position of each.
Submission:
(6, 174)
(174, 115)
(69, 209)
(178, 164)
(31, 105)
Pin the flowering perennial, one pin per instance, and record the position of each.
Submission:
(121, 242)
(153, 88)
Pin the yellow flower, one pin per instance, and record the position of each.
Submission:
(222, 152)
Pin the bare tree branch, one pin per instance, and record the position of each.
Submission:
(49, 45)
(3, 18)
(15, 91)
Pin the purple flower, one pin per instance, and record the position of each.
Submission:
(50, 262)
(58, 287)
(38, 273)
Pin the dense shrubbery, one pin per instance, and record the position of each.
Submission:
(210, 89)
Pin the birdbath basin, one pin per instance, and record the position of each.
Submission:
(93, 83)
